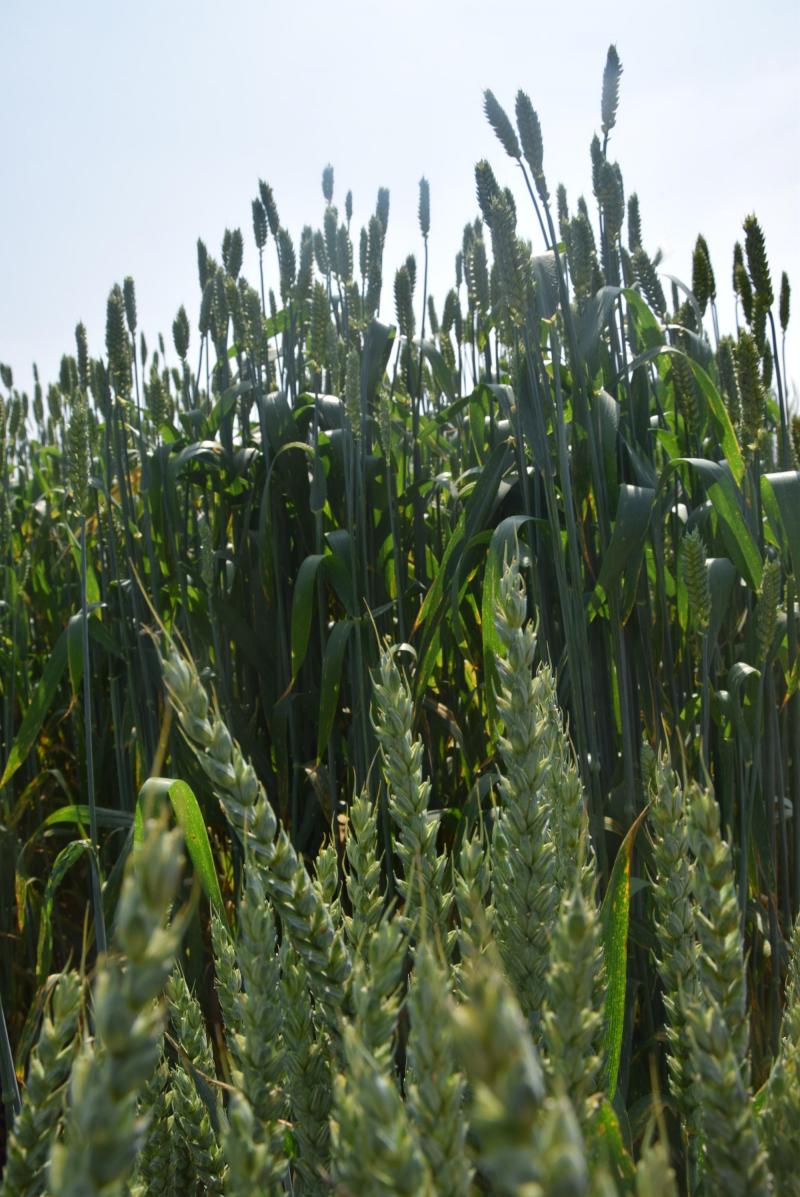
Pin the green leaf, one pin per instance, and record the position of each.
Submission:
(721, 577)
(40, 703)
(718, 414)
(66, 858)
(543, 267)
(79, 815)
(75, 650)
(614, 916)
(724, 497)
(647, 326)
(442, 374)
(594, 318)
(785, 491)
(378, 344)
(331, 681)
(607, 1131)
(302, 609)
(472, 520)
(625, 550)
(606, 411)
(190, 819)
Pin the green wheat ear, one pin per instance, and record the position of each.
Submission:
(232, 252)
(767, 609)
(82, 348)
(486, 189)
(610, 98)
(288, 263)
(403, 303)
(612, 199)
(344, 254)
(270, 207)
(634, 223)
(260, 226)
(779, 1124)
(741, 283)
(327, 183)
(129, 295)
(180, 333)
(78, 455)
(330, 225)
(748, 374)
(117, 343)
(757, 263)
(784, 301)
(696, 577)
(646, 276)
(424, 206)
(502, 126)
(382, 208)
(795, 432)
(36, 1125)
(508, 256)
(703, 284)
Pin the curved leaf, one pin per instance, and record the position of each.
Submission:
(190, 819)
(722, 492)
(785, 490)
(66, 858)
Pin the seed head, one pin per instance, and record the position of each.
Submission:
(260, 226)
(530, 135)
(424, 206)
(784, 301)
(757, 263)
(502, 126)
(117, 343)
(486, 189)
(268, 200)
(634, 223)
(382, 208)
(327, 183)
(610, 98)
(696, 577)
(129, 294)
(78, 454)
(767, 609)
(232, 252)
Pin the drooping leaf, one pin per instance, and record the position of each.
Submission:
(785, 490)
(190, 819)
(725, 500)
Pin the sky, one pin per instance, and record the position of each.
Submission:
(127, 131)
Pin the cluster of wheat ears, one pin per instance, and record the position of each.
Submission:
(486, 870)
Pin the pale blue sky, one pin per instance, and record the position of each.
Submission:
(127, 131)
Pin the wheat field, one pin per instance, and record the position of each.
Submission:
(401, 733)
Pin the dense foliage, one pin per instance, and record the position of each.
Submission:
(468, 905)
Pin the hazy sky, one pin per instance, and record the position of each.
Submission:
(127, 131)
